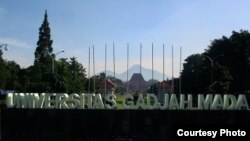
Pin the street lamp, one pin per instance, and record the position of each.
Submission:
(212, 65)
(53, 60)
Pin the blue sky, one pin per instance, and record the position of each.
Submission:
(79, 24)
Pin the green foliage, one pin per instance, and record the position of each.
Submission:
(9, 78)
(76, 76)
(43, 53)
(230, 71)
(236, 51)
(69, 77)
(195, 75)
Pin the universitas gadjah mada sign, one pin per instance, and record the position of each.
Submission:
(148, 101)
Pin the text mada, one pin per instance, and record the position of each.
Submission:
(149, 101)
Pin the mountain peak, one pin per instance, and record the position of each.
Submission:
(146, 73)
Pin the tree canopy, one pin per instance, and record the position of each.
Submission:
(44, 48)
(224, 66)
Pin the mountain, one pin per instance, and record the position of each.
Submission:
(111, 73)
(146, 73)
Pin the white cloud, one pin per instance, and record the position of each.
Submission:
(14, 42)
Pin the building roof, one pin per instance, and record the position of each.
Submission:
(163, 85)
(136, 78)
(137, 82)
(109, 84)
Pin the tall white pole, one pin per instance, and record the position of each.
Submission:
(163, 68)
(140, 56)
(180, 69)
(94, 68)
(114, 58)
(140, 64)
(89, 72)
(127, 66)
(105, 83)
(152, 68)
(172, 69)
(163, 62)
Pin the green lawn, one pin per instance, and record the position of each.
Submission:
(118, 100)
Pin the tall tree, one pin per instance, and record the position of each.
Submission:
(41, 77)
(236, 57)
(9, 78)
(3, 73)
(195, 75)
(43, 53)
(76, 78)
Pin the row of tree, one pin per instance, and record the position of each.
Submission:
(69, 76)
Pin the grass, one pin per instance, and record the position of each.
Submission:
(119, 100)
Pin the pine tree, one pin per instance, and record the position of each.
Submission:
(43, 53)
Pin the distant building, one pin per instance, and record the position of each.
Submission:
(110, 87)
(162, 88)
(137, 83)
(163, 85)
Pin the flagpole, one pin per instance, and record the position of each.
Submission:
(114, 58)
(152, 67)
(89, 72)
(163, 62)
(94, 67)
(163, 67)
(140, 65)
(180, 69)
(172, 69)
(105, 89)
(127, 66)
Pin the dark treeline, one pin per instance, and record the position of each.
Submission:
(224, 67)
